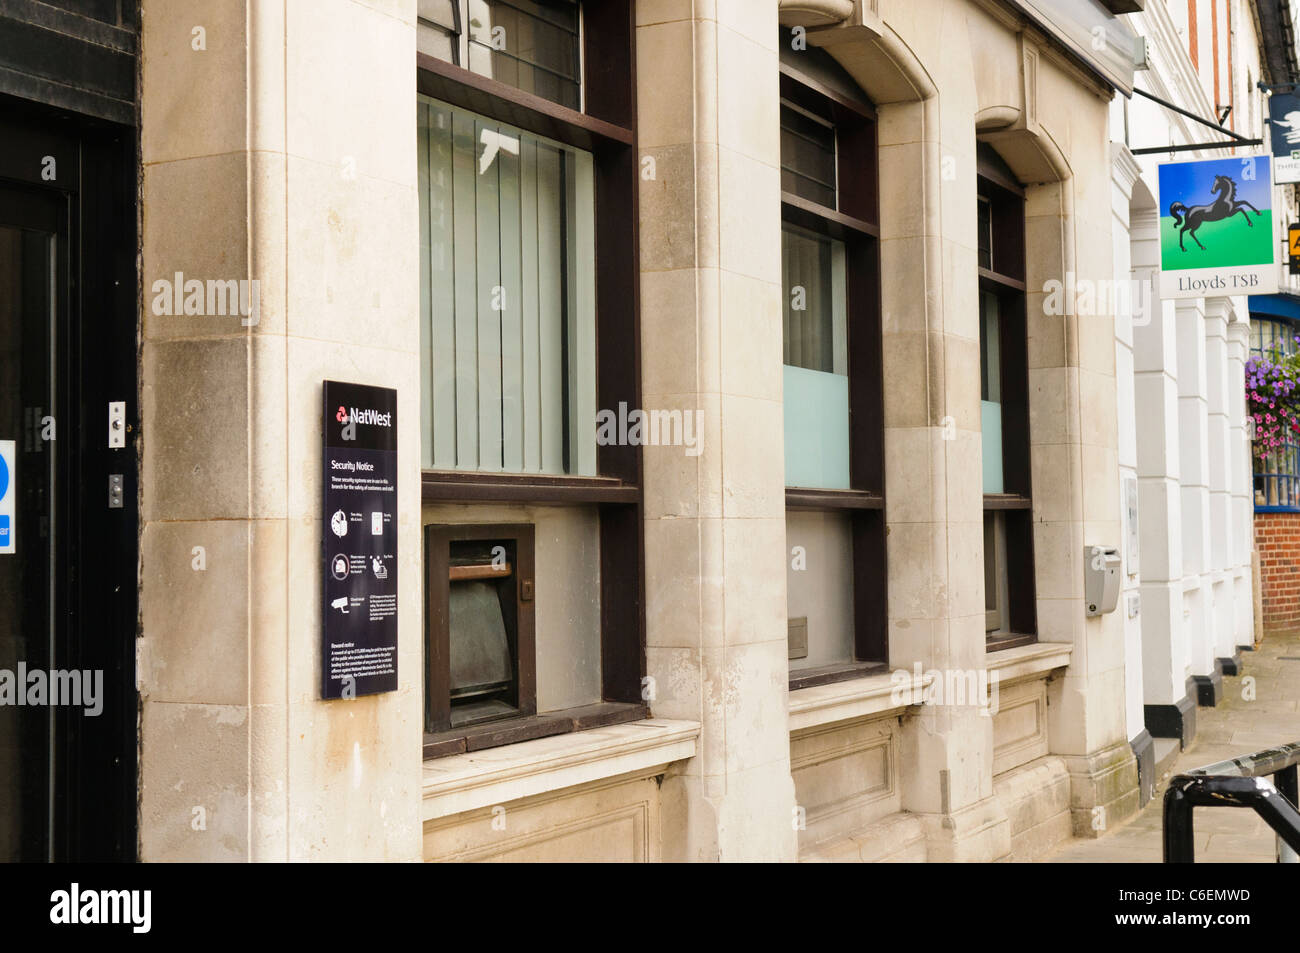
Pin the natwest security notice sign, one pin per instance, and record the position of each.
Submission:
(359, 549)
(1216, 228)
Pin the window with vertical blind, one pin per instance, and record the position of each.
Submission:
(508, 300)
(534, 599)
(834, 436)
(1010, 611)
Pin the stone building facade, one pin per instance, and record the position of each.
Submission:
(815, 590)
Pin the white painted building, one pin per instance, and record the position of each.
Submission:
(1184, 450)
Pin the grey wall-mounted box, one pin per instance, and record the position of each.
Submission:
(1101, 579)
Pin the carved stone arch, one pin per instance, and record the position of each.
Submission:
(1017, 131)
(1034, 156)
(869, 50)
(1143, 197)
(814, 13)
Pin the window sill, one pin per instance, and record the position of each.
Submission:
(479, 779)
(517, 728)
(804, 498)
(826, 674)
(465, 486)
(1008, 640)
(1007, 501)
(858, 698)
(1028, 661)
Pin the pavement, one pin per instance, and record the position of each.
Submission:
(1234, 727)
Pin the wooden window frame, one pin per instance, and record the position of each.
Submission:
(438, 540)
(1006, 280)
(607, 128)
(854, 221)
(461, 42)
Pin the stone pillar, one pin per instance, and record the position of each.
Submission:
(1241, 482)
(934, 509)
(1073, 436)
(711, 340)
(1194, 486)
(266, 162)
(1155, 379)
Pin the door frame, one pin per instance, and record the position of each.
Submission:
(95, 175)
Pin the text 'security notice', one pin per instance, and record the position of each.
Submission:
(359, 553)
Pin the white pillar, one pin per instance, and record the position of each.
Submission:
(1124, 172)
(1155, 381)
(1193, 427)
(1240, 480)
(1218, 311)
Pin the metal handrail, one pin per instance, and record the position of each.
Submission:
(1237, 782)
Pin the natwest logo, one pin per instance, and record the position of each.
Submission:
(364, 417)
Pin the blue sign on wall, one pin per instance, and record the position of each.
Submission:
(1284, 136)
(8, 492)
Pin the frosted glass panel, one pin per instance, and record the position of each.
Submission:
(816, 360)
(816, 429)
(991, 391)
(507, 298)
(824, 597)
(991, 438)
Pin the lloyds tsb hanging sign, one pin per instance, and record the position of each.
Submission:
(1216, 228)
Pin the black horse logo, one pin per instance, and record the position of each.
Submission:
(1188, 220)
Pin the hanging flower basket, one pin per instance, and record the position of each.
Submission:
(1273, 401)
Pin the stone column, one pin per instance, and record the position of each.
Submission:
(934, 509)
(1155, 377)
(1073, 436)
(266, 160)
(708, 126)
(1194, 485)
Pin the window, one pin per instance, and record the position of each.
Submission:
(1009, 607)
(438, 29)
(509, 309)
(807, 155)
(534, 604)
(1272, 338)
(532, 45)
(1277, 477)
(832, 376)
(1277, 473)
